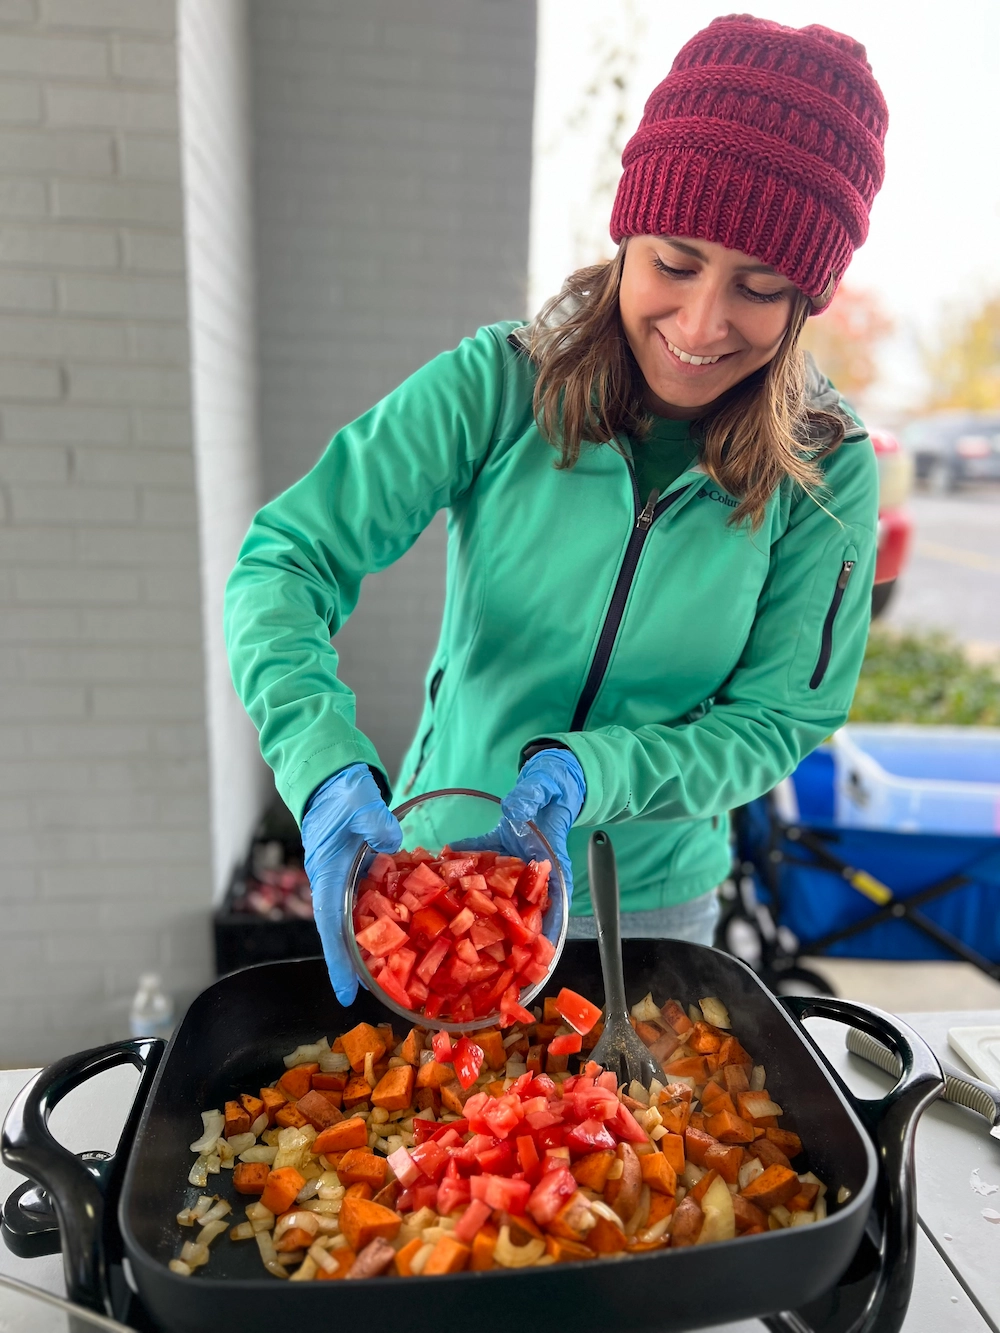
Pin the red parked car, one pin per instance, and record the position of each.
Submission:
(895, 524)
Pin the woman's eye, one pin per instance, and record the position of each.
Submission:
(766, 297)
(670, 272)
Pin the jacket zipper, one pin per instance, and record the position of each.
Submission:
(435, 685)
(826, 642)
(644, 520)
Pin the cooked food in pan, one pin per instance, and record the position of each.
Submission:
(434, 1154)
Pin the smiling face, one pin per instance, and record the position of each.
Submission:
(699, 319)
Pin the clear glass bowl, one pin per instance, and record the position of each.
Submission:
(444, 818)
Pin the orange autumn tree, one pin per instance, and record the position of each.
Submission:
(964, 367)
(844, 339)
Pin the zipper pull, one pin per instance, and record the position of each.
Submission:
(646, 517)
(845, 573)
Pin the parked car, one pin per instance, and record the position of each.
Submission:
(895, 524)
(949, 448)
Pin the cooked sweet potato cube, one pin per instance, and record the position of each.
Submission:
(688, 1066)
(704, 1038)
(732, 1053)
(729, 1128)
(388, 1194)
(676, 1116)
(672, 1147)
(290, 1117)
(648, 1033)
(334, 1098)
(359, 1190)
(394, 1090)
(483, 1245)
(592, 1171)
(698, 1190)
(789, 1143)
(696, 1144)
(748, 1214)
(296, 1082)
(356, 1092)
(427, 1099)
(804, 1197)
(412, 1047)
(676, 1017)
(320, 1113)
(405, 1256)
(567, 1251)
(769, 1153)
(777, 1184)
(273, 1102)
(329, 1082)
(361, 1221)
(688, 1219)
(491, 1042)
(385, 1031)
(345, 1262)
(717, 1101)
(237, 1120)
(434, 1075)
(253, 1106)
(657, 1173)
(454, 1097)
(591, 1038)
(726, 1159)
(295, 1238)
(359, 1041)
(448, 1256)
(351, 1133)
(605, 1238)
(361, 1166)
(660, 1206)
(250, 1177)
(534, 1059)
(735, 1078)
(281, 1188)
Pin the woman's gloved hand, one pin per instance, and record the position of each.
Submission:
(345, 811)
(549, 792)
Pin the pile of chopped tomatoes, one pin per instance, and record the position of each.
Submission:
(455, 936)
(435, 1154)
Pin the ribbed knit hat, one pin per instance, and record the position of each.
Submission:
(765, 139)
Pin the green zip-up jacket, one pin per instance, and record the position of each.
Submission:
(689, 665)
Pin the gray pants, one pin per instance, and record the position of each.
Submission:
(693, 921)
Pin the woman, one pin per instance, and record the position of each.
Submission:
(661, 519)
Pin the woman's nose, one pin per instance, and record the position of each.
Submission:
(702, 319)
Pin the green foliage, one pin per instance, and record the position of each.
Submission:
(916, 677)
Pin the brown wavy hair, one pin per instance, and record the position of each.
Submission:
(590, 389)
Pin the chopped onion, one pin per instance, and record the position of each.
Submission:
(509, 1255)
(638, 1093)
(259, 1125)
(801, 1219)
(322, 1257)
(240, 1143)
(243, 1231)
(308, 1190)
(695, 1014)
(819, 1207)
(217, 1210)
(760, 1104)
(194, 1254)
(212, 1229)
(260, 1216)
(185, 1218)
(691, 1174)
(647, 1011)
(758, 1079)
(260, 1153)
(599, 1207)
(716, 1012)
(515, 1068)
(750, 1171)
(334, 1062)
(179, 1266)
(198, 1175)
(213, 1123)
(305, 1055)
(843, 1194)
(808, 1178)
(213, 1164)
(269, 1254)
(297, 1218)
(370, 1078)
(658, 1133)
(331, 1207)
(289, 1258)
(657, 1231)
(641, 1215)
(306, 1270)
(419, 1260)
(781, 1215)
(655, 1088)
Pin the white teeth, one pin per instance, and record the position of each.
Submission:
(688, 359)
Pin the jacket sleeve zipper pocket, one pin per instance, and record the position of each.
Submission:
(826, 642)
(432, 694)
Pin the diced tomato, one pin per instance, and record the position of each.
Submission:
(382, 865)
(497, 952)
(402, 962)
(569, 1044)
(483, 970)
(461, 923)
(626, 1127)
(513, 927)
(544, 951)
(459, 971)
(534, 880)
(549, 1195)
(431, 1158)
(500, 1115)
(462, 1011)
(428, 921)
(406, 1171)
(533, 920)
(449, 903)
(551, 1137)
(453, 1192)
(533, 973)
(579, 1013)
(589, 1136)
(511, 1010)
(441, 1047)
(498, 1160)
(423, 1195)
(388, 981)
(418, 991)
(482, 933)
(520, 955)
(468, 1059)
(527, 1155)
(433, 1004)
(424, 884)
(503, 881)
(432, 960)
(477, 1213)
(381, 937)
(457, 868)
(500, 1192)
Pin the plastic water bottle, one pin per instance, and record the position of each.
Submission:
(152, 1012)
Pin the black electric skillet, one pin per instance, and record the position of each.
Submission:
(852, 1271)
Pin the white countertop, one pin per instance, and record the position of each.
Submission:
(958, 1254)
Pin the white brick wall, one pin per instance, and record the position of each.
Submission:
(393, 170)
(105, 861)
(215, 103)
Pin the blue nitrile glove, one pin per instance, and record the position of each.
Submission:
(549, 791)
(345, 811)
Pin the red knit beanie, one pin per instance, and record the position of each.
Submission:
(765, 139)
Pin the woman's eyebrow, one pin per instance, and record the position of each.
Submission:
(695, 253)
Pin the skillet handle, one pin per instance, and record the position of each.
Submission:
(83, 1193)
(891, 1122)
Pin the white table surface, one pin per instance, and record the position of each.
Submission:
(957, 1284)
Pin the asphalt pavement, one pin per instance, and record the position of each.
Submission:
(952, 579)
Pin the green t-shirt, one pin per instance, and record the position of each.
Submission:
(666, 452)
